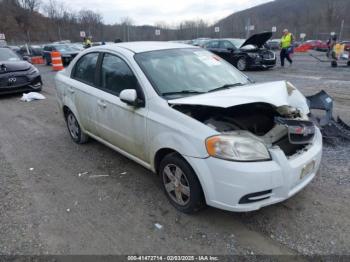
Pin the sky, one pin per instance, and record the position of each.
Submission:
(171, 12)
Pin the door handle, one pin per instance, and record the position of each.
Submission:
(101, 103)
(71, 90)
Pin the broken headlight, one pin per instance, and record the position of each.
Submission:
(237, 146)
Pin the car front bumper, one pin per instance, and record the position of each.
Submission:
(33, 83)
(249, 186)
(268, 63)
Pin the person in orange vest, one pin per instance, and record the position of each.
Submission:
(286, 47)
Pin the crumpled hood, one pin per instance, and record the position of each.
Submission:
(7, 67)
(258, 40)
(274, 93)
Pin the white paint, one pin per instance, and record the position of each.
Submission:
(140, 132)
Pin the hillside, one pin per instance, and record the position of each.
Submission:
(22, 22)
(316, 18)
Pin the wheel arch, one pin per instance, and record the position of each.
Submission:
(159, 156)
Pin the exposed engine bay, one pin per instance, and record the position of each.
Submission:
(284, 126)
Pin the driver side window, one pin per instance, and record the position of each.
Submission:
(116, 75)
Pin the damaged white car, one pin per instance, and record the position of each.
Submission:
(212, 135)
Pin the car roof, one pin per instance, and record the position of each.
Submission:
(140, 47)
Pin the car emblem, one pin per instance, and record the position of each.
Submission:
(12, 80)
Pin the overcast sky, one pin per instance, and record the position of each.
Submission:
(170, 11)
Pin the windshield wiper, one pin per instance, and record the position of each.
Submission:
(182, 92)
(227, 86)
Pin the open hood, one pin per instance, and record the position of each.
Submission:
(274, 93)
(258, 40)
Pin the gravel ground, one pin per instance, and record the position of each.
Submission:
(62, 198)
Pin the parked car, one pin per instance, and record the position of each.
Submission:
(244, 54)
(212, 135)
(274, 44)
(34, 50)
(317, 45)
(67, 52)
(200, 41)
(15, 48)
(17, 75)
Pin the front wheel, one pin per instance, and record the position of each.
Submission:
(334, 64)
(242, 64)
(181, 184)
(74, 129)
(348, 63)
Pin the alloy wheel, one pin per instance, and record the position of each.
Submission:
(176, 184)
(73, 126)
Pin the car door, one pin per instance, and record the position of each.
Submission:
(122, 125)
(226, 50)
(83, 92)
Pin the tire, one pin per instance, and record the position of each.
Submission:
(242, 64)
(75, 132)
(180, 184)
(334, 64)
(348, 63)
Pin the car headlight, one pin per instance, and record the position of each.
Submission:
(254, 55)
(237, 146)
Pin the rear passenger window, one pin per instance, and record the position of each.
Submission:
(226, 45)
(116, 75)
(213, 44)
(84, 70)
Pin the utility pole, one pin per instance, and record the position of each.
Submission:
(248, 28)
(341, 30)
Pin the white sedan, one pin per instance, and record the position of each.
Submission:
(212, 135)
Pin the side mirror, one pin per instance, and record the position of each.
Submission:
(129, 96)
(26, 58)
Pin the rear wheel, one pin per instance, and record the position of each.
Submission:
(181, 184)
(242, 64)
(74, 129)
(334, 64)
(348, 63)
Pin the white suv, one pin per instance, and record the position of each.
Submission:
(212, 135)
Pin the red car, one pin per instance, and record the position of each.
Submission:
(315, 45)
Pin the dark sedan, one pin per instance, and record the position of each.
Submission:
(244, 54)
(67, 52)
(17, 75)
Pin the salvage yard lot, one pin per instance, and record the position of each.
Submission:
(61, 198)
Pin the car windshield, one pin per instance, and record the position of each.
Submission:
(65, 48)
(7, 54)
(182, 72)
